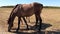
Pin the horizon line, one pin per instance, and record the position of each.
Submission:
(45, 6)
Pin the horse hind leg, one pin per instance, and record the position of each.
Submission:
(36, 20)
(39, 21)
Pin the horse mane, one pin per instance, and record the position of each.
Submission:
(11, 13)
(13, 9)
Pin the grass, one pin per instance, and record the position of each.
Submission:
(49, 16)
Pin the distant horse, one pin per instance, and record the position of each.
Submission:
(25, 10)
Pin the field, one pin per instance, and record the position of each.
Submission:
(50, 18)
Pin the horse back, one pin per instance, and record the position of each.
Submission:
(29, 9)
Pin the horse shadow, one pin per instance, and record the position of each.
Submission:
(44, 26)
(41, 32)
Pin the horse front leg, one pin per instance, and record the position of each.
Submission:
(19, 18)
(25, 22)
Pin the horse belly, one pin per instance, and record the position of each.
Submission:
(28, 13)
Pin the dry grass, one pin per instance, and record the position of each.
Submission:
(50, 16)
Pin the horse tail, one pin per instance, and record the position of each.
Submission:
(12, 15)
(41, 6)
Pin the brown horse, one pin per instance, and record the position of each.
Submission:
(25, 10)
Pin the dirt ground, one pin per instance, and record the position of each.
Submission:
(50, 18)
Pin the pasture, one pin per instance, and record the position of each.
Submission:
(50, 18)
